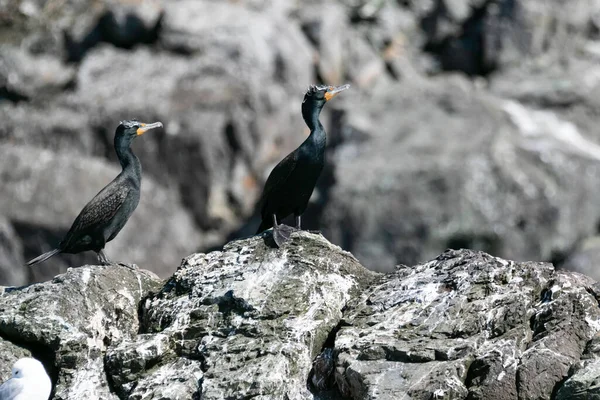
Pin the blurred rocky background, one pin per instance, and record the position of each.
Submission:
(470, 123)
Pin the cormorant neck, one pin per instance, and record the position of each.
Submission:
(130, 163)
(310, 113)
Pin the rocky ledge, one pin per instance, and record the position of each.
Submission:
(309, 322)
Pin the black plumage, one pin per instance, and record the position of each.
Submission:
(292, 181)
(106, 214)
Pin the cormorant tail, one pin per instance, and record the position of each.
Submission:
(43, 257)
(264, 225)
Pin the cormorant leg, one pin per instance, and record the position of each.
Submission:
(103, 258)
(298, 222)
(281, 233)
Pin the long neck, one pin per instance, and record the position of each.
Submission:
(310, 113)
(130, 163)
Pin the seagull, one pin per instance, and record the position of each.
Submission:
(29, 381)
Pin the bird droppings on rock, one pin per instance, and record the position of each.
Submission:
(308, 321)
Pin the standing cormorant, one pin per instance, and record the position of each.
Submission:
(106, 214)
(291, 183)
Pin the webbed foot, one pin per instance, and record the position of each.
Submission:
(103, 258)
(282, 234)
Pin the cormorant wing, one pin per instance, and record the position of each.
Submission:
(279, 175)
(101, 209)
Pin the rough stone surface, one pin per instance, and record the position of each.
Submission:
(252, 309)
(70, 321)
(468, 325)
(307, 321)
(483, 173)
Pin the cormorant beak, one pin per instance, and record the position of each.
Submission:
(146, 127)
(333, 91)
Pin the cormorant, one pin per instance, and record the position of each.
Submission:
(291, 183)
(106, 214)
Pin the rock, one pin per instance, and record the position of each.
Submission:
(308, 321)
(466, 325)
(460, 169)
(37, 195)
(583, 384)
(75, 317)
(12, 272)
(9, 354)
(27, 76)
(252, 309)
(583, 258)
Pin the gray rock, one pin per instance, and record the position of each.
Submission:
(583, 384)
(12, 272)
(252, 309)
(466, 325)
(9, 354)
(308, 321)
(75, 317)
(461, 168)
(583, 258)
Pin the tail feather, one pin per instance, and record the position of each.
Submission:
(43, 257)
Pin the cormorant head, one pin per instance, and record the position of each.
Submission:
(320, 94)
(132, 128)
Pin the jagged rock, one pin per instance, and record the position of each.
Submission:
(467, 325)
(257, 321)
(70, 321)
(255, 317)
(43, 191)
(583, 384)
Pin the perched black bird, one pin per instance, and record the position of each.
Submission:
(103, 217)
(291, 183)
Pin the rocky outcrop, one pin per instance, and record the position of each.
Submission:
(483, 173)
(308, 321)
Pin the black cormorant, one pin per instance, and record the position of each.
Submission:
(291, 183)
(106, 214)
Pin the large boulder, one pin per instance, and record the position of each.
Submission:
(69, 322)
(308, 321)
(458, 167)
(468, 325)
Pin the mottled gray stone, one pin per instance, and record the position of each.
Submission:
(255, 317)
(583, 384)
(466, 325)
(75, 317)
(9, 354)
(307, 321)
(461, 169)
